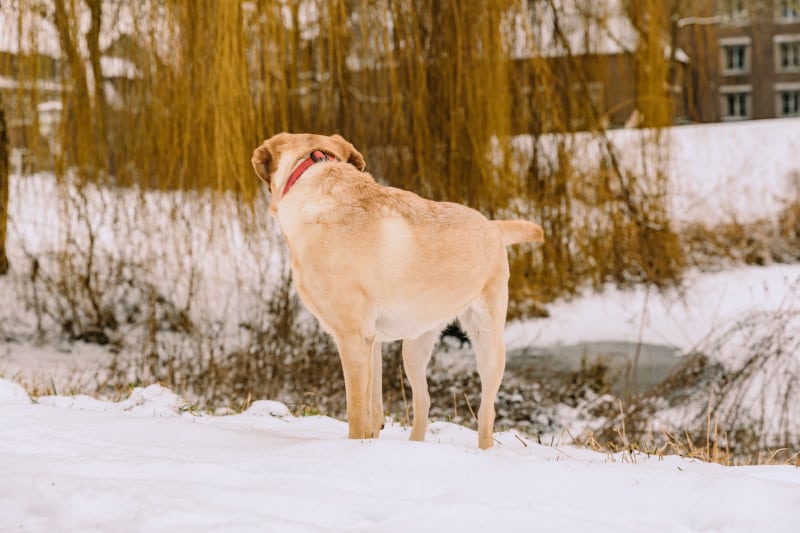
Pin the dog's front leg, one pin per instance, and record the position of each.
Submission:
(356, 354)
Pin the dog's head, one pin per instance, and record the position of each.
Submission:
(275, 159)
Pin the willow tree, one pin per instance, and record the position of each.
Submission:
(4, 186)
(601, 196)
(432, 92)
(85, 145)
(449, 96)
(421, 87)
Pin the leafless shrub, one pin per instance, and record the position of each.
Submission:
(735, 400)
(758, 399)
(789, 217)
(279, 354)
(93, 284)
(759, 242)
(762, 242)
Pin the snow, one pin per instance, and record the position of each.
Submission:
(725, 172)
(38, 34)
(716, 173)
(151, 462)
(599, 28)
(682, 318)
(117, 67)
(42, 85)
(35, 32)
(79, 464)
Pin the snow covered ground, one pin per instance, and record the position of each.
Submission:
(736, 171)
(79, 464)
(148, 463)
(706, 304)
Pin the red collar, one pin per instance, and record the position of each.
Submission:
(314, 157)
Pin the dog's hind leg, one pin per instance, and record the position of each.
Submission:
(357, 364)
(416, 355)
(484, 322)
(378, 417)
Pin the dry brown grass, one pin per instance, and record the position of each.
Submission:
(711, 447)
(741, 411)
(759, 242)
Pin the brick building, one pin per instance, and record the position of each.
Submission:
(744, 59)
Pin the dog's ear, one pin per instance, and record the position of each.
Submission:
(354, 157)
(262, 158)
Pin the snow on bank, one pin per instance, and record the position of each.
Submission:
(716, 173)
(179, 243)
(733, 171)
(706, 305)
(79, 464)
(684, 319)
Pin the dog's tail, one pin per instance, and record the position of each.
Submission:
(516, 231)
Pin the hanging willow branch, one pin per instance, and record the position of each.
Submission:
(429, 91)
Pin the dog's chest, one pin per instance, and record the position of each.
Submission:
(392, 325)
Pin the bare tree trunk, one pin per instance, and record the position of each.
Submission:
(4, 171)
(78, 109)
(101, 107)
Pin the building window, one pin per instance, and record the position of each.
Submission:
(736, 105)
(790, 103)
(735, 55)
(735, 58)
(787, 53)
(734, 10)
(735, 100)
(788, 10)
(787, 99)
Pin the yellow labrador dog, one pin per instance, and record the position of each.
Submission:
(377, 264)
